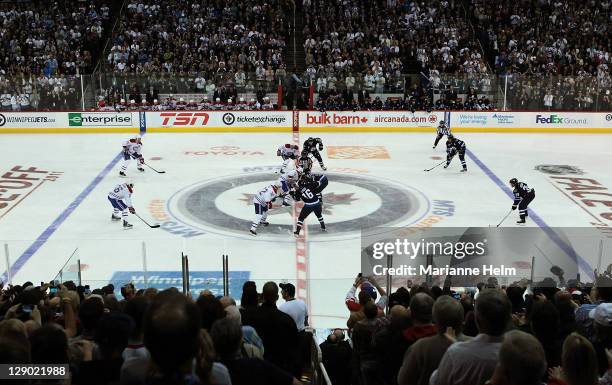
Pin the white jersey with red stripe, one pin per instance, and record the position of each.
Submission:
(122, 192)
(265, 196)
(133, 148)
(288, 151)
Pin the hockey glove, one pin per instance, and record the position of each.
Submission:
(320, 147)
(132, 210)
(141, 159)
(269, 205)
(513, 207)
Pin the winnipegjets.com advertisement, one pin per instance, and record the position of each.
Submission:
(466, 256)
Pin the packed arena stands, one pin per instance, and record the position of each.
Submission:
(44, 47)
(554, 332)
(460, 55)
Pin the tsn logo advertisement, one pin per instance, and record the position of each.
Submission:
(217, 119)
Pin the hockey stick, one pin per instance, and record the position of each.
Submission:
(507, 215)
(147, 223)
(157, 171)
(439, 164)
(504, 218)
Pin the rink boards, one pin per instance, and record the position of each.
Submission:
(304, 121)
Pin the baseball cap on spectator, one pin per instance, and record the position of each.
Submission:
(602, 314)
(368, 288)
(289, 288)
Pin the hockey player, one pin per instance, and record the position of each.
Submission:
(132, 150)
(287, 182)
(321, 182)
(305, 163)
(263, 201)
(287, 152)
(455, 146)
(120, 199)
(441, 130)
(307, 192)
(312, 146)
(523, 195)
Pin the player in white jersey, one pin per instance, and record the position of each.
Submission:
(287, 152)
(132, 149)
(287, 181)
(262, 202)
(121, 200)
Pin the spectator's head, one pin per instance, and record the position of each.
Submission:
(447, 312)
(515, 295)
(521, 360)
(136, 309)
(49, 345)
(90, 312)
(210, 310)
(227, 301)
(436, 291)
(368, 288)
(579, 361)
(421, 307)
(227, 338)
(544, 320)
(14, 352)
(112, 334)
(287, 291)
(370, 310)
(171, 327)
(233, 313)
(492, 312)
(364, 298)
(250, 297)
(604, 288)
(270, 293)
(602, 322)
(400, 297)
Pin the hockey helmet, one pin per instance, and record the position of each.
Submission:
(513, 182)
(442, 122)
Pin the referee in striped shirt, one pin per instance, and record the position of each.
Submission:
(441, 130)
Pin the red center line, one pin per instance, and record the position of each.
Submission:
(301, 243)
(21, 200)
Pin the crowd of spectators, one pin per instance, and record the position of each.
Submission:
(557, 48)
(376, 41)
(43, 45)
(521, 334)
(151, 337)
(415, 98)
(554, 332)
(208, 41)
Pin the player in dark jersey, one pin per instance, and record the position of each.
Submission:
(321, 182)
(305, 163)
(441, 131)
(307, 191)
(523, 195)
(312, 146)
(455, 146)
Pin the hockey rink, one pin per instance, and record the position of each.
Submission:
(53, 201)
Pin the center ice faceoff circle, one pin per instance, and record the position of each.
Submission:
(338, 205)
(351, 203)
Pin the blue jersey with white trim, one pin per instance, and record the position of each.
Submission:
(307, 194)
